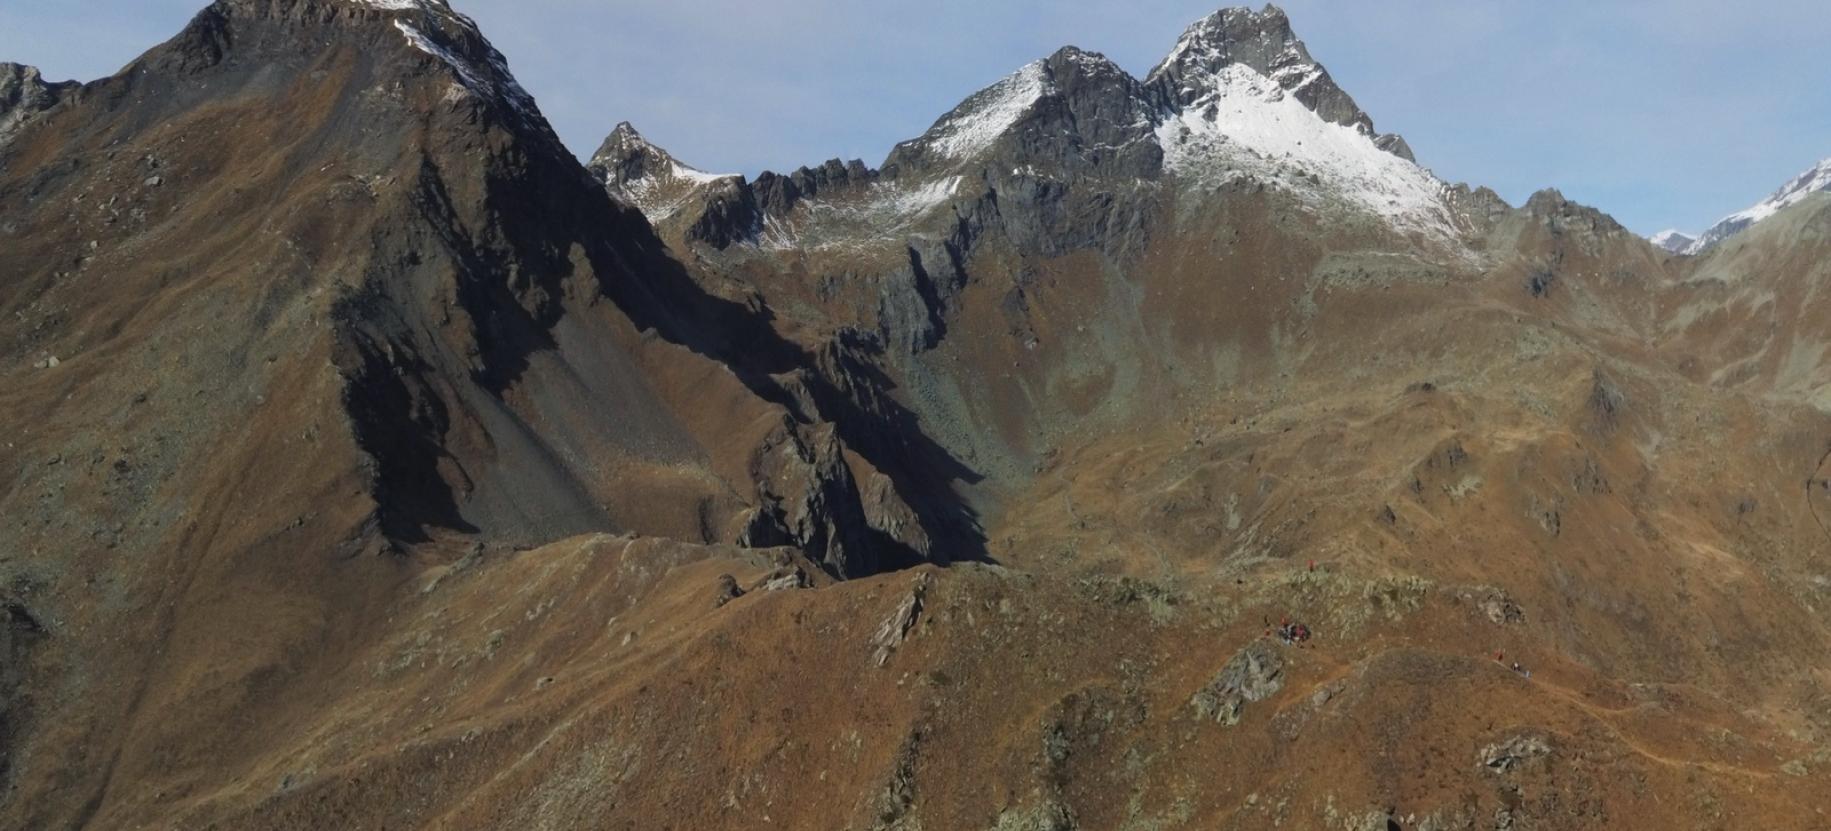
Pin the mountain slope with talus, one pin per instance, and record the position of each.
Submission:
(378, 464)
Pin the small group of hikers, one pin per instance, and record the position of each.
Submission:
(1291, 633)
(1522, 671)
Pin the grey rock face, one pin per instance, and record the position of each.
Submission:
(777, 194)
(1482, 206)
(808, 499)
(731, 214)
(1560, 214)
(24, 95)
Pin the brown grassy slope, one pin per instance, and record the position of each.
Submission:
(597, 683)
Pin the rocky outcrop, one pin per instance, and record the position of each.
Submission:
(1480, 206)
(1514, 753)
(896, 627)
(20, 634)
(807, 498)
(778, 194)
(1253, 674)
(24, 96)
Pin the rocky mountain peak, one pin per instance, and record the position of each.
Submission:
(1196, 70)
(626, 156)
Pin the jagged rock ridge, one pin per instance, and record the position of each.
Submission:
(1239, 97)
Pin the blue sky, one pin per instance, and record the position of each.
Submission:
(1661, 112)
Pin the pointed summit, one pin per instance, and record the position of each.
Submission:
(647, 176)
(715, 208)
(1196, 69)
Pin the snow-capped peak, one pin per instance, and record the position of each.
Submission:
(1815, 180)
(1264, 42)
(1672, 240)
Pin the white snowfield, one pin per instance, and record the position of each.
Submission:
(1804, 185)
(1248, 126)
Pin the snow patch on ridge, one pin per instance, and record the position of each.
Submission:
(1804, 185)
(982, 119)
(861, 220)
(1250, 126)
(495, 83)
(662, 194)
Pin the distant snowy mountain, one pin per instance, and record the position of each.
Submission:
(1673, 241)
(1816, 180)
(1238, 103)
